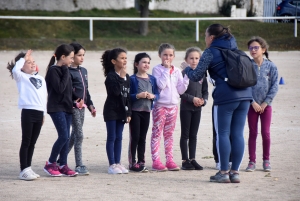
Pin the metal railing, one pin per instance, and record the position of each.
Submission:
(91, 19)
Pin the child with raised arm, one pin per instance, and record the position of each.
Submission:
(60, 108)
(32, 100)
(117, 107)
(81, 94)
(261, 107)
(192, 101)
(143, 93)
(171, 85)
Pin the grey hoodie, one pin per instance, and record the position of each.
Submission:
(267, 82)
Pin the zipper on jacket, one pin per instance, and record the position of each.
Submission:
(82, 84)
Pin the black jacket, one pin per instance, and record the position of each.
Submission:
(59, 87)
(79, 79)
(117, 105)
(195, 89)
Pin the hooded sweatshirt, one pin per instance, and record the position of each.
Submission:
(170, 84)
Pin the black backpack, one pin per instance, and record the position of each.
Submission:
(239, 68)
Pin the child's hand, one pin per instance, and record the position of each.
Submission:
(183, 65)
(79, 103)
(167, 64)
(256, 107)
(128, 119)
(28, 55)
(197, 101)
(93, 111)
(263, 107)
(150, 96)
(142, 95)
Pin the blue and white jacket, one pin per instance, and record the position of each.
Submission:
(267, 82)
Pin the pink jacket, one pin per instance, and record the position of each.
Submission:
(170, 86)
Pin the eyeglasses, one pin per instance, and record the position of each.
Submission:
(255, 48)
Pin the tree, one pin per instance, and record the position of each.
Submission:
(144, 12)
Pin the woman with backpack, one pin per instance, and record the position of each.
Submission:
(230, 104)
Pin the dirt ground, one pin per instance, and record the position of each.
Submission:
(283, 183)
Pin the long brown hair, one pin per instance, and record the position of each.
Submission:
(11, 65)
(263, 43)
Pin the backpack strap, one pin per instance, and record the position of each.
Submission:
(222, 78)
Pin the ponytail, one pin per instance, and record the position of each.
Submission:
(11, 65)
(106, 58)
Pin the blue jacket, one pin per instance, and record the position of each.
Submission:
(267, 82)
(213, 61)
(134, 84)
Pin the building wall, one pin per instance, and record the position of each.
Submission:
(186, 6)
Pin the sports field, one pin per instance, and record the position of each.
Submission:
(283, 183)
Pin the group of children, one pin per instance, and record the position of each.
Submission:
(130, 99)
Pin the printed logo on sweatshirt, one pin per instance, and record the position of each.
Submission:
(36, 82)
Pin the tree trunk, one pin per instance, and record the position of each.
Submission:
(144, 8)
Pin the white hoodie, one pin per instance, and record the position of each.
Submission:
(32, 89)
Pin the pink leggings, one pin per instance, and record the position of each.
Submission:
(265, 119)
(164, 121)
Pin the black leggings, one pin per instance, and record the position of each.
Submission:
(190, 121)
(31, 123)
(139, 125)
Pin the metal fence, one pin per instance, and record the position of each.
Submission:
(91, 19)
(270, 9)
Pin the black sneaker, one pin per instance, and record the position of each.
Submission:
(186, 165)
(220, 178)
(196, 165)
(143, 165)
(136, 168)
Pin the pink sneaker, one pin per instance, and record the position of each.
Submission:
(172, 166)
(67, 171)
(52, 170)
(158, 166)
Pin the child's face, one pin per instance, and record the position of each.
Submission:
(256, 50)
(143, 65)
(29, 66)
(79, 57)
(121, 61)
(68, 60)
(193, 59)
(167, 56)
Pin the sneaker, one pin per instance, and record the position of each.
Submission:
(65, 170)
(220, 178)
(234, 177)
(187, 165)
(217, 166)
(196, 165)
(52, 170)
(113, 169)
(35, 174)
(82, 170)
(122, 168)
(251, 167)
(136, 168)
(27, 175)
(158, 166)
(172, 166)
(143, 165)
(267, 166)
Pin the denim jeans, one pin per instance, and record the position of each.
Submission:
(114, 140)
(62, 122)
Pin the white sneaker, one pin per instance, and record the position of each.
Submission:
(114, 169)
(217, 166)
(27, 175)
(35, 174)
(122, 168)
